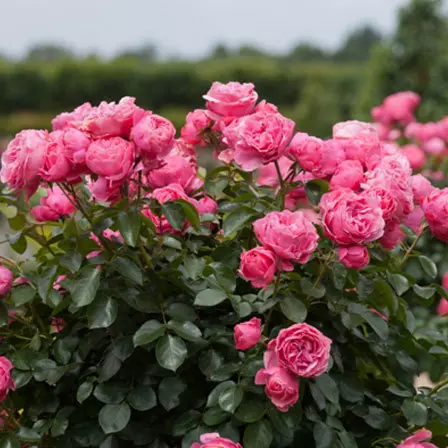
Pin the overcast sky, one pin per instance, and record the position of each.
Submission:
(185, 27)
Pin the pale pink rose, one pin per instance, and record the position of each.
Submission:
(415, 155)
(349, 174)
(230, 100)
(258, 139)
(434, 145)
(264, 106)
(23, 160)
(213, 440)
(415, 220)
(442, 307)
(6, 381)
(205, 205)
(258, 266)
(421, 187)
(53, 206)
(247, 334)
(267, 174)
(103, 190)
(393, 234)
(349, 218)
(111, 119)
(176, 169)
(154, 137)
(386, 133)
(355, 257)
(302, 349)
(111, 158)
(196, 122)
(418, 440)
(185, 150)
(6, 278)
(415, 130)
(57, 324)
(281, 386)
(353, 129)
(290, 235)
(385, 200)
(435, 206)
(70, 119)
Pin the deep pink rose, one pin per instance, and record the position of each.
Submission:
(213, 440)
(111, 158)
(57, 164)
(154, 137)
(230, 100)
(23, 160)
(349, 218)
(415, 155)
(290, 235)
(53, 206)
(442, 307)
(258, 139)
(355, 257)
(349, 174)
(6, 278)
(258, 266)
(6, 381)
(421, 187)
(196, 122)
(281, 386)
(418, 440)
(247, 334)
(385, 200)
(57, 324)
(70, 119)
(393, 234)
(445, 280)
(435, 206)
(103, 190)
(267, 174)
(176, 169)
(205, 205)
(415, 220)
(302, 349)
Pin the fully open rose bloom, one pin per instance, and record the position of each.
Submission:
(349, 218)
(302, 349)
(397, 107)
(421, 187)
(53, 206)
(70, 119)
(435, 206)
(349, 174)
(281, 386)
(6, 381)
(258, 266)
(290, 235)
(230, 100)
(418, 440)
(355, 257)
(258, 139)
(213, 440)
(6, 278)
(247, 334)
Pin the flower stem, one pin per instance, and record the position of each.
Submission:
(412, 246)
(282, 185)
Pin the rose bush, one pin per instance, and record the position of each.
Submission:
(269, 302)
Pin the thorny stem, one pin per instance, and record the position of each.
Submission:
(412, 246)
(282, 184)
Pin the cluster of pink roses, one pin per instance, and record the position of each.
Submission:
(6, 381)
(6, 279)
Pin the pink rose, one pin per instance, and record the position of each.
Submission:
(349, 174)
(418, 440)
(290, 235)
(302, 349)
(434, 146)
(205, 205)
(264, 106)
(267, 174)
(213, 440)
(415, 155)
(435, 206)
(393, 234)
(258, 266)
(56, 284)
(415, 220)
(196, 122)
(445, 280)
(6, 278)
(53, 206)
(247, 334)
(281, 386)
(57, 324)
(176, 169)
(442, 308)
(421, 187)
(103, 190)
(258, 139)
(349, 218)
(111, 158)
(154, 137)
(6, 381)
(353, 129)
(397, 107)
(57, 164)
(355, 257)
(70, 119)
(230, 100)
(385, 200)
(23, 160)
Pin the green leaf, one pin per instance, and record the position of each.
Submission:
(102, 313)
(384, 296)
(181, 312)
(416, 413)
(428, 266)
(377, 418)
(129, 226)
(231, 398)
(210, 297)
(9, 441)
(20, 244)
(148, 332)
(376, 322)
(71, 261)
(351, 389)
(110, 393)
(213, 396)
(185, 422)
(45, 281)
(191, 213)
(258, 435)
(193, 266)
(22, 294)
(114, 417)
(250, 411)
(85, 287)
(223, 274)
(171, 352)
(426, 292)
(142, 398)
(128, 269)
(328, 387)
(186, 330)
(236, 220)
(61, 422)
(28, 435)
(84, 391)
(175, 214)
(323, 435)
(317, 292)
(315, 189)
(399, 283)
(294, 309)
(63, 349)
(215, 415)
(170, 390)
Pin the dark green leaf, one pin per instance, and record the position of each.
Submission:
(426, 292)
(175, 214)
(210, 297)
(45, 282)
(110, 393)
(102, 312)
(85, 287)
(114, 417)
(376, 322)
(185, 422)
(399, 283)
(328, 387)
(231, 398)
(171, 352)
(324, 436)
(148, 332)
(22, 294)
(428, 266)
(84, 391)
(384, 296)
(142, 398)
(416, 413)
(128, 269)
(258, 435)
(315, 189)
(190, 212)
(250, 411)
(181, 312)
(213, 397)
(9, 441)
(129, 226)
(215, 415)
(186, 330)
(294, 309)
(317, 292)
(170, 389)
(377, 418)
(28, 435)
(236, 220)
(71, 261)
